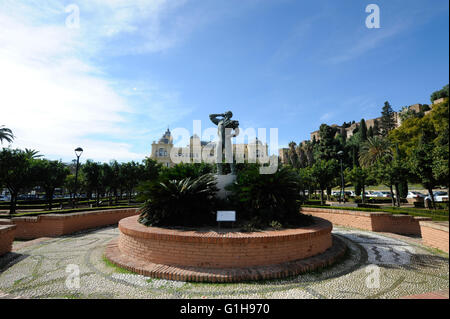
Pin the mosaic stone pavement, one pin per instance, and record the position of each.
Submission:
(375, 266)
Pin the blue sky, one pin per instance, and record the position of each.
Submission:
(134, 68)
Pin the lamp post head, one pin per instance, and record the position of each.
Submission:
(78, 151)
(340, 153)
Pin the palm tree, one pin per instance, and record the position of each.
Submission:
(374, 149)
(30, 153)
(6, 134)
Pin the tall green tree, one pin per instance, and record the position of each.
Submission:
(370, 132)
(292, 154)
(328, 146)
(92, 174)
(358, 176)
(49, 175)
(323, 173)
(422, 162)
(376, 128)
(15, 173)
(363, 130)
(387, 119)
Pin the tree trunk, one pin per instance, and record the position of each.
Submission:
(49, 195)
(363, 195)
(322, 202)
(397, 194)
(12, 207)
(392, 195)
(433, 204)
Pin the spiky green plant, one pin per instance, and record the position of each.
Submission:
(185, 202)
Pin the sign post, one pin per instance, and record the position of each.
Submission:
(226, 216)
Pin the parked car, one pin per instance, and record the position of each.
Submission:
(5, 198)
(413, 194)
(376, 194)
(439, 196)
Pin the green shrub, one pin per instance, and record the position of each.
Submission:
(185, 202)
(268, 197)
(276, 225)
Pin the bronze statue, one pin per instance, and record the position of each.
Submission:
(224, 129)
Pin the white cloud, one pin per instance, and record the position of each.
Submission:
(54, 98)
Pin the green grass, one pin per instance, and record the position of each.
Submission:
(118, 269)
(72, 210)
(435, 214)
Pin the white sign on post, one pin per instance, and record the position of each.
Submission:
(226, 216)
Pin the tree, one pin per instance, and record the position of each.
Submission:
(376, 128)
(358, 176)
(422, 162)
(387, 119)
(107, 181)
(370, 132)
(306, 180)
(363, 130)
(323, 172)
(374, 149)
(327, 147)
(292, 154)
(131, 173)
(15, 173)
(6, 134)
(92, 174)
(31, 154)
(443, 93)
(69, 185)
(49, 175)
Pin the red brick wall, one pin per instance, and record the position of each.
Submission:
(435, 234)
(6, 238)
(379, 222)
(52, 225)
(212, 250)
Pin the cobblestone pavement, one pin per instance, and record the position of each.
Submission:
(376, 266)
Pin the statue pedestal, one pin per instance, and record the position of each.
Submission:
(222, 182)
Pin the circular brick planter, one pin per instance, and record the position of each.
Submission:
(197, 255)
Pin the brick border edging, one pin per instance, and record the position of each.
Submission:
(209, 248)
(435, 235)
(54, 225)
(197, 274)
(7, 234)
(372, 221)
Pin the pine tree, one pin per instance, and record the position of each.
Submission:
(376, 128)
(363, 130)
(387, 119)
(370, 132)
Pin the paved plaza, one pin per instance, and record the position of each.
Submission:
(375, 266)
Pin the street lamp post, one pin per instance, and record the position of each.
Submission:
(78, 152)
(342, 195)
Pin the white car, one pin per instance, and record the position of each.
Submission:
(413, 194)
(438, 197)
